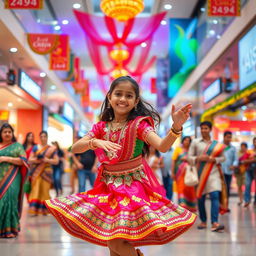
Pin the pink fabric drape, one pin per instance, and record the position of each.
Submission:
(119, 33)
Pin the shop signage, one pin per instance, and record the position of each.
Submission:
(59, 58)
(30, 86)
(213, 90)
(23, 4)
(42, 43)
(247, 59)
(68, 112)
(82, 129)
(224, 8)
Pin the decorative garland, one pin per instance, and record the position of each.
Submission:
(229, 101)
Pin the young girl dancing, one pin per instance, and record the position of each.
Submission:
(127, 206)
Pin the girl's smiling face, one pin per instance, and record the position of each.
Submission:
(123, 99)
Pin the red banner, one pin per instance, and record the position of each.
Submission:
(224, 7)
(42, 43)
(153, 88)
(59, 58)
(23, 4)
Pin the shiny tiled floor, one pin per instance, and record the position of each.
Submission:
(43, 236)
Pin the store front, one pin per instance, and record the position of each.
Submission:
(229, 91)
(20, 105)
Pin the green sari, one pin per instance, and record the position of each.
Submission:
(12, 179)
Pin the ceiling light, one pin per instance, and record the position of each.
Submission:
(42, 74)
(38, 20)
(19, 100)
(211, 32)
(215, 21)
(13, 49)
(218, 36)
(55, 22)
(163, 22)
(10, 104)
(57, 27)
(76, 6)
(65, 22)
(167, 6)
(143, 44)
(202, 9)
(53, 87)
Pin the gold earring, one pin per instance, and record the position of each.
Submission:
(108, 106)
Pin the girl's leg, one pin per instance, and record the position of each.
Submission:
(121, 247)
(112, 253)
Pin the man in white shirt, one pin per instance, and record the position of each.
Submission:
(206, 155)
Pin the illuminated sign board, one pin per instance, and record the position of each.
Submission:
(247, 59)
(212, 91)
(30, 86)
(68, 112)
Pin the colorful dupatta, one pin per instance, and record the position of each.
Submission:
(12, 179)
(214, 149)
(186, 194)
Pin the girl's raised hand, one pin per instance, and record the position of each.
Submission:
(106, 145)
(180, 116)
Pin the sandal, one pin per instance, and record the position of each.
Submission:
(217, 227)
(139, 252)
(202, 225)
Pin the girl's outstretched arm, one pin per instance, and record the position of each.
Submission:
(87, 143)
(179, 117)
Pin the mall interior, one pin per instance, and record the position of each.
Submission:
(58, 59)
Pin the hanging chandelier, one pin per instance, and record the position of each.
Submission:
(122, 10)
(119, 55)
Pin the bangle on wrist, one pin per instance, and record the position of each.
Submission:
(90, 144)
(173, 134)
(177, 132)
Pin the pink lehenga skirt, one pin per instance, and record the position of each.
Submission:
(122, 204)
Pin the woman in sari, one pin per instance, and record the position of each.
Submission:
(42, 158)
(244, 155)
(29, 143)
(127, 206)
(12, 177)
(186, 194)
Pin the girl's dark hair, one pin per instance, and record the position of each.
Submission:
(142, 109)
(43, 132)
(26, 140)
(186, 137)
(5, 126)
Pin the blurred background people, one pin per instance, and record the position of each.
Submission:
(12, 177)
(86, 163)
(240, 171)
(42, 158)
(207, 154)
(166, 170)
(58, 169)
(73, 168)
(186, 194)
(29, 143)
(250, 176)
(231, 161)
(156, 163)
